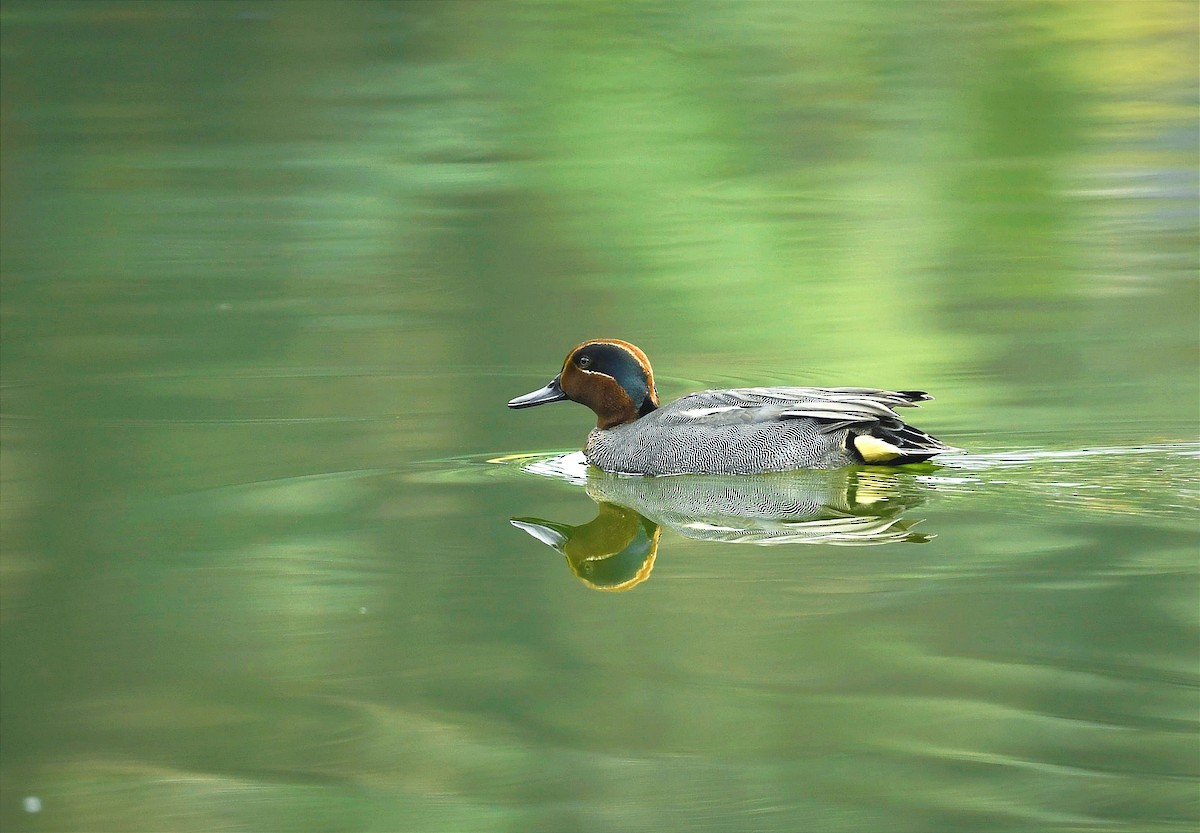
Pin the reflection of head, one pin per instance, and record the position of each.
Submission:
(614, 551)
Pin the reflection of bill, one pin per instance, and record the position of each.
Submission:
(617, 548)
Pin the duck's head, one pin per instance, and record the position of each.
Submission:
(611, 377)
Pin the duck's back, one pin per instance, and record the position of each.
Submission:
(753, 430)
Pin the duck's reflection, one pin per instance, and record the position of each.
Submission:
(616, 549)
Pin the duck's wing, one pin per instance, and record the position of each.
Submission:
(864, 411)
(833, 407)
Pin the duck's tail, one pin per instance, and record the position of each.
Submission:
(894, 443)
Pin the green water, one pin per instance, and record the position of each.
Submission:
(271, 271)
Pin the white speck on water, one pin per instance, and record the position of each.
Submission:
(362, 610)
(32, 804)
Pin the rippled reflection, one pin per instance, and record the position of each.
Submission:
(616, 549)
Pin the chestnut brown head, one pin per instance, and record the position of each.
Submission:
(610, 376)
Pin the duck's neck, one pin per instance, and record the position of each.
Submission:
(614, 405)
(612, 416)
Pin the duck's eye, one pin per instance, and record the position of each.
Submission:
(584, 362)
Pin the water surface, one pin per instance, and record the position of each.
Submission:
(270, 273)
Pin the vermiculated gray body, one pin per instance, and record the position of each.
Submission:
(751, 430)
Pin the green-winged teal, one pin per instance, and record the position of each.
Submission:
(739, 431)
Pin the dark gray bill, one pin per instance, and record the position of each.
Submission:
(551, 393)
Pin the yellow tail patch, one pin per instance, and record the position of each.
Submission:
(875, 450)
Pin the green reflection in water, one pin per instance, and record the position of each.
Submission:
(260, 262)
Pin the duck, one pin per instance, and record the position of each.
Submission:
(733, 431)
